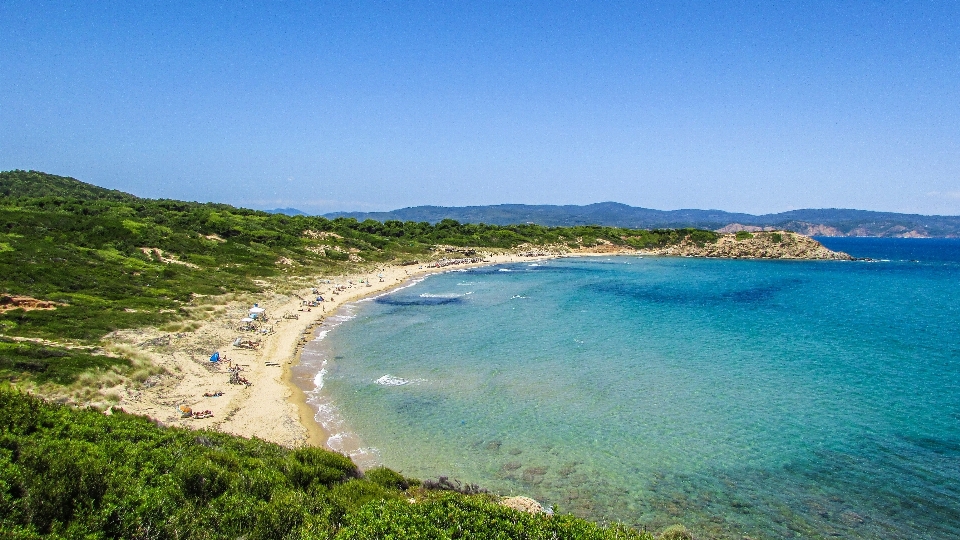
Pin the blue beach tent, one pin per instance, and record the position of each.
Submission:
(215, 357)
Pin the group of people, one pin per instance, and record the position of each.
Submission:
(451, 262)
(236, 378)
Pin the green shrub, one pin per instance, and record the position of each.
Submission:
(776, 238)
(389, 479)
(676, 532)
(72, 473)
(448, 515)
(201, 478)
(353, 494)
(743, 235)
(40, 363)
(307, 467)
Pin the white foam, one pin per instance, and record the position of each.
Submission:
(390, 380)
(445, 295)
(505, 270)
(517, 296)
(534, 264)
(318, 379)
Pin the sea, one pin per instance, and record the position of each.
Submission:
(741, 398)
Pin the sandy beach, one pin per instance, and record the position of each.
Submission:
(271, 407)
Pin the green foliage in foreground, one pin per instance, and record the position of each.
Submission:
(84, 247)
(70, 473)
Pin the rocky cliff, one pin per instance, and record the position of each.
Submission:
(755, 245)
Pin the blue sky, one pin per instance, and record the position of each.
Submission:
(741, 106)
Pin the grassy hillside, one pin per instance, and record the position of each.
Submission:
(69, 473)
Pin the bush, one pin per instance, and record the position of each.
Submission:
(74, 473)
(676, 532)
(308, 467)
(743, 235)
(389, 479)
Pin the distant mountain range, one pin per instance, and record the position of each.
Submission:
(287, 211)
(812, 222)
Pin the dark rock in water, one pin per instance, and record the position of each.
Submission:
(511, 465)
(493, 446)
(851, 518)
(515, 451)
(533, 475)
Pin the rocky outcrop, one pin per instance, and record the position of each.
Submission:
(757, 245)
(523, 504)
(737, 227)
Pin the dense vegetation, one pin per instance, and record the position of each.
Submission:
(71, 473)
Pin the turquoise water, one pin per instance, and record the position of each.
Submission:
(742, 398)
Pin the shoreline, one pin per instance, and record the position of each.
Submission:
(274, 407)
(316, 434)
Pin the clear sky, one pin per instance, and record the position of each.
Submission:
(740, 106)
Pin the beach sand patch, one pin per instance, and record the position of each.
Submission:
(26, 303)
(320, 234)
(158, 253)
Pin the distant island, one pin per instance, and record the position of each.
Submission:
(809, 222)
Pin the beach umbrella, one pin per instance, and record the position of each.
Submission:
(257, 310)
(246, 319)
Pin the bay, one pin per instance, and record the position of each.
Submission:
(768, 399)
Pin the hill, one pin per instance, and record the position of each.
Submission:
(811, 222)
(78, 261)
(287, 211)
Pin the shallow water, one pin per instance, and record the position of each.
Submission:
(761, 398)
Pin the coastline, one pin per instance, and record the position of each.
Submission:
(274, 407)
(395, 277)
